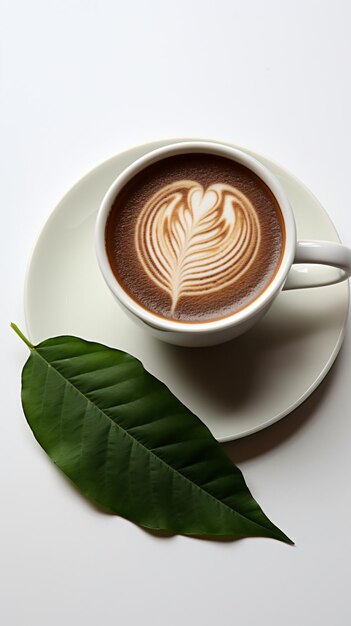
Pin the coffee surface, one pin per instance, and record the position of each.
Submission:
(194, 237)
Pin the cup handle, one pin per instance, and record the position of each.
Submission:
(337, 256)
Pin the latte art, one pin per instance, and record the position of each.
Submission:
(194, 237)
(193, 241)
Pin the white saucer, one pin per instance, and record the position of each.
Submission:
(236, 388)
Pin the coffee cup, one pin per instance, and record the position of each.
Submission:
(242, 242)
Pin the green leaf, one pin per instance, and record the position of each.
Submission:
(130, 445)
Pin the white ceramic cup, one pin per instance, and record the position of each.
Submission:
(286, 277)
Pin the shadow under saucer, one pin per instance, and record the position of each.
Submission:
(258, 372)
(265, 440)
(232, 371)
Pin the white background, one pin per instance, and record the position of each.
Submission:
(80, 81)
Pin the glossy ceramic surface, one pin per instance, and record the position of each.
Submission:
(236, 388)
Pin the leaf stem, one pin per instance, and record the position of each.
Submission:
(21, 335)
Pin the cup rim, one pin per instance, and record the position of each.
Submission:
(204, 147)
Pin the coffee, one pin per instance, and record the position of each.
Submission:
(195, 237)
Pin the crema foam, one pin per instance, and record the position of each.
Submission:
(195, 237)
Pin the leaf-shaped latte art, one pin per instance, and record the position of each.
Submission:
(192, 241)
